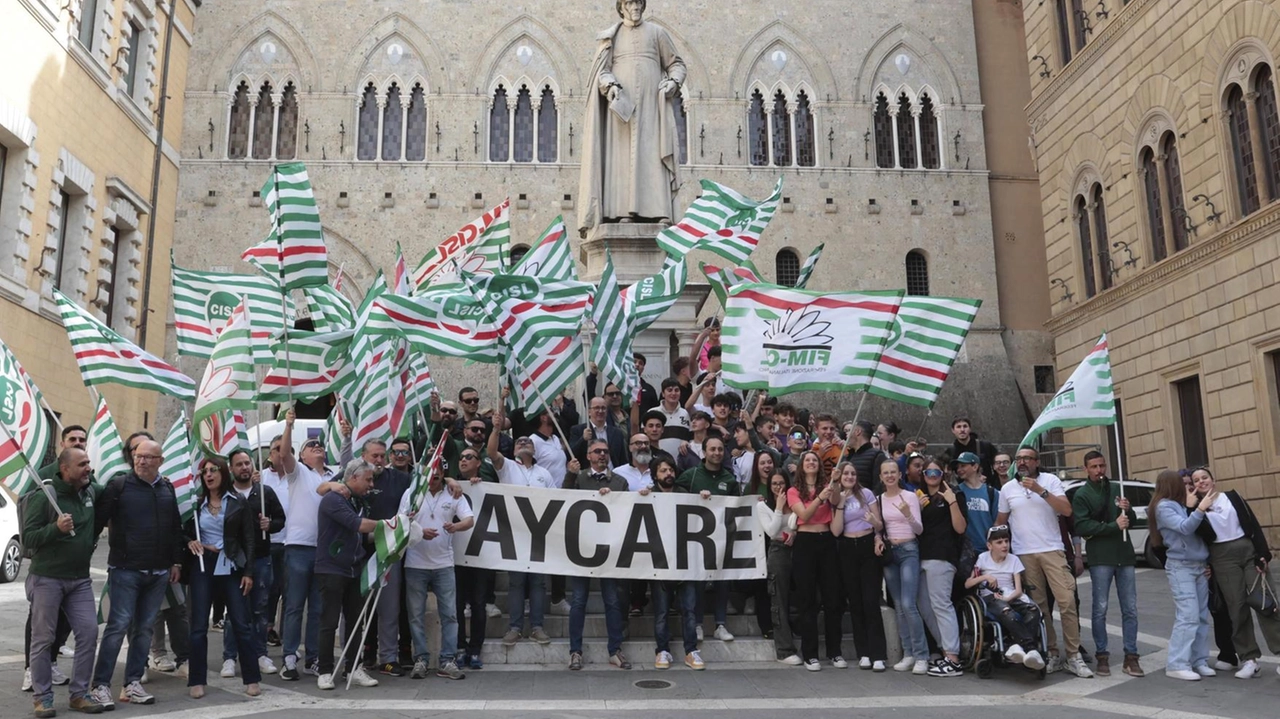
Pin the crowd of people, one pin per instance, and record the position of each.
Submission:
(274, 552)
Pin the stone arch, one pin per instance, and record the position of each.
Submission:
(1158, 96)
(357, 269)
(360, 62)
(805, 62)
(1248, 24)
(936, 70)
(263, 26)
(266, 58)
(1085, 162)
(550, 57)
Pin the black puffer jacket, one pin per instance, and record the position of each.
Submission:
(146, 529)
(239, 530)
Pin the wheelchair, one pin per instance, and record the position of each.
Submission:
(982, 640)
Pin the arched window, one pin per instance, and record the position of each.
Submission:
(682, 128)
(1242, 150)
(516, 254)
(930, 157)
(522, 146)
(906, 133)
(392, 124)
(1064, 30)
(757, 131)
(884, 132)
(415, 132)
(781, 131)
(1173, 191)
(499, 127)
(806, 143)
(548, 127)
(1078, 18)
(1269, 128)
(1155, 212)
(367, 129)
(1102, 236)
(264, 124)
(287, 125)
(787, 268)
(917, 274)
(1085, 238)
(238, 124)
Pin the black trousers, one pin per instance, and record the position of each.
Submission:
(473, 584)
(816, 572)
(862, 577)
(339, 597)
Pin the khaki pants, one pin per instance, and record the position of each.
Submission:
(1049, 569)
(1234, 571)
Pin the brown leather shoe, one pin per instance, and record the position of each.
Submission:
(1103, 667)
(1132, 667)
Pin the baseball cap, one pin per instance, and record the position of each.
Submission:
(967, 458)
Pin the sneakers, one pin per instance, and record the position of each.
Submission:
(361, 678)
(184, 670)
(636, 612)
(476, 662)
(420, 670)
(1103, 668)
(723, 634)
(44, 707)
(905, 664)
(56, 677)
(26, 680)
(273, 638)
(511, 637)
(1076, 666)
(216, 626)
(390, 669)
(133, 693)
(1054, 664)
(700, 632)
(86, 705)
(693, 660)
(619, 660)
(540, 636)
(839, 663)
(945, 668)
(228, 669)
(920, 668)
(313, 668)
(1223, 666)
(1249, 669)
(813, 665)
(450, 670)
(290, 671)
(1205, 671)
(662, 660)
(1015, 654)
(877, 665)
(325, 681)
(266, 666)
(559, 609)
(1033, 661)
(1132, 667)
(1185, 675)
(791, 661)
(67, 650)
(161, 663)
(492, 611)
(864, 663)
(102, 695)
(575, 661)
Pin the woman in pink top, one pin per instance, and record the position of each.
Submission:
(813, 562)
(856, 527)
(900, 512)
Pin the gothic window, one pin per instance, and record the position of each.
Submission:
(1242, 150)
(1081, 217)
(1269, 126)
(523, 149)
(906, 134)
(548, 127)
(787, 268)
(1173, 188)
(1064, 30)
(287, 126)
(264, 124)
(806, 143)
(781, 131)
(415, 131)
(917, 274)
(367, 130)
(499, 127)
(682, 128)
(392, 124)
(1102, 236)
(884, 132)
(757, 131)
(1155, 216)
(930, 157)
(238, 125)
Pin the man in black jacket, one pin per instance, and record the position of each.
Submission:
(865, 458)
(141, 509)
(245, 480)
(967, 441)
(597, 427)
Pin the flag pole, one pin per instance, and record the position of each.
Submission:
(351, 633)
(1115, 427)
(26, 463)
(363, 633)
(284, 293)
(922, 424)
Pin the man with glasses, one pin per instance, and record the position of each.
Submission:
(597, 427)
(476, 437)
(617, 416)
(469, 401)
(1031, 506)
(1000, 466)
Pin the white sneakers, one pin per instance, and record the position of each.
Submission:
(26, 680)
(662, 660)
(813, 665)
(1205, 670)
(864, 663)
(1076, 666)
(161, 663)
(1185, 675)
(722, 633)
(1015, 654)
(228, 669)
(266, 666)
(133, 693)
(492, 611)
(559, 609)
(791, 661)
(877, 665)
(839, 663)
(361, 678)
(905, 664)
(1248, 670)
(1033, 661)
(325, 681)
(920, 667)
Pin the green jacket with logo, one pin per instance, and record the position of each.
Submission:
(1095, 512)
(58, 555)
(722, 483)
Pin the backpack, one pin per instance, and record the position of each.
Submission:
(23, 501)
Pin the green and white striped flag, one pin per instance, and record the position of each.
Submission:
(722, 221)
(784, 340)
(105, 447)
(525, 309)
(651, 297)
(551, 257)
(229, 381)
(926, 339)
(390, 539)
(543, 371)
(724, 279)
(105, 357)
(297, 237)
(27, 432)
(330, 310)
(1087, 399)
(315, 365)
(179, 466)
(810, 264)
(479, 247)
(443, 323)
(203, 301)
(612, 346)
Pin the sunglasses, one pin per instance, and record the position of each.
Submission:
(933, 473)
(473, 400)
(1002, 529)
(312, 445)
(612, 394)
(599, 451)
(468, 456)
(448, 411)
(475, 429)
(400, 453)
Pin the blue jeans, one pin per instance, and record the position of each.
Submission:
(1127, 592)
(417, 582)
(536, 586)
(580, 587)
(903, 578)
(257, 603)
(135, 601)
(686, 595)
(205, 585)
(1189, 642)
(721, 608)
(300, 589)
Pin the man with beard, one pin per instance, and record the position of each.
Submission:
(966, 440)
(246, 482)
(713, 478)
(685, 594)
(637, 476)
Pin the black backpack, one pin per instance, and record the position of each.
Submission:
(23, 501)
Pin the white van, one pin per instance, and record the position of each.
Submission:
(262, 435)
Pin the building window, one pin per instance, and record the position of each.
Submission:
(4, 170)
(1101, 237)
(1269, 124)
(1155, 213)
(522, 149)
(1086, 246)
(930, 157)
(287, 124)
(114, 276)
(60, 248)
(884, 132)
(1173, 189)
(499, 127)
(917, 274)
(1044, 378)
(781, 131)
(1271, 365)
(1195, 444)
(787, 266)
(238, 125)
(134, 58)
(1064, 30)
(415, 141)
(264, 121)
(392, 127)
(367, 129)
(682, 128)
(548, 127)
(906, 133)
(757, 131)
(88, 23)
(1079, 20)
(1242, 150)
(1119, 456)
(806, 143)
(516, 254)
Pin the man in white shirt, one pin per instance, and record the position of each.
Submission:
(637, 473)
(679, 428)
(428, 567)
(548, 450)
(1030, 506)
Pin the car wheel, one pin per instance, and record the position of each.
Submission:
(11, 562)
(1149, 553)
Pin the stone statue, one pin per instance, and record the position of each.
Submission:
(629, 140)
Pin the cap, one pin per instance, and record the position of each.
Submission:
(967, 458)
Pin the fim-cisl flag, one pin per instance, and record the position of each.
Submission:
(782, 340)
(926, 339)
(1086, 400)
(229, 381)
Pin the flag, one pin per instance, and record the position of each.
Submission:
(330, 310)
(651, 297)
(333, 433)
(105, 357)
(543, 370)
(229, 381)
(390, 539)
(612, 346)
(721, 221)
(422, 473)
(202, 302)
(1086, 400)
(551, 257)
(443, 323)
(525, 309)
(179, 466)
(810, 264)
(723, 280)
(784, 340)
(926, 339)
(27, 432)
(297, 238)
(418, 386)
(400, 277)
(315, 365)
(104, 446)
(479, 247)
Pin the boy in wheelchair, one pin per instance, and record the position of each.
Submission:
(998, 577)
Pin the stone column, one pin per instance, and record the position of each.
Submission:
(377, 145)
(1101, 272)
(276, 99)
(1255, 139)
(1166, 206)
(915, 120)
(893, 122)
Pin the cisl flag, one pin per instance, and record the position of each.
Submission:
(1086, 400)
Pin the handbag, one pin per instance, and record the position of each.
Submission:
(1261, 597)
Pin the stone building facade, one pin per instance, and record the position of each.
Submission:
(1158, 144)
(413, 118)
(82, 184)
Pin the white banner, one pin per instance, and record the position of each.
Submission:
(621, 535)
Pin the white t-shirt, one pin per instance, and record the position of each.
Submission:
(512, 472)
(1003, 572)
(297, 495)
(636, 480)
(1224, 520)
(549, 454)
(436, 509)
(677, 431)
(742, 467)
(1033, 523)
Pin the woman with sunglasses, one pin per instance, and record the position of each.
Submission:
(856, 526)
(899, 510)
(944, 521)
(814, 566)
(1178, 515)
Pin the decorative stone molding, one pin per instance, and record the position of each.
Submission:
(18, 133)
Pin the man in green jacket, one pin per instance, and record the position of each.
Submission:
(73, 436)
(1102, 517)
(712, 478)
(62, 540)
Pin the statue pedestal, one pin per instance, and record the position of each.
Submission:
(636, 255)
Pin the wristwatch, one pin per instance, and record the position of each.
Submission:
(1044, 493)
